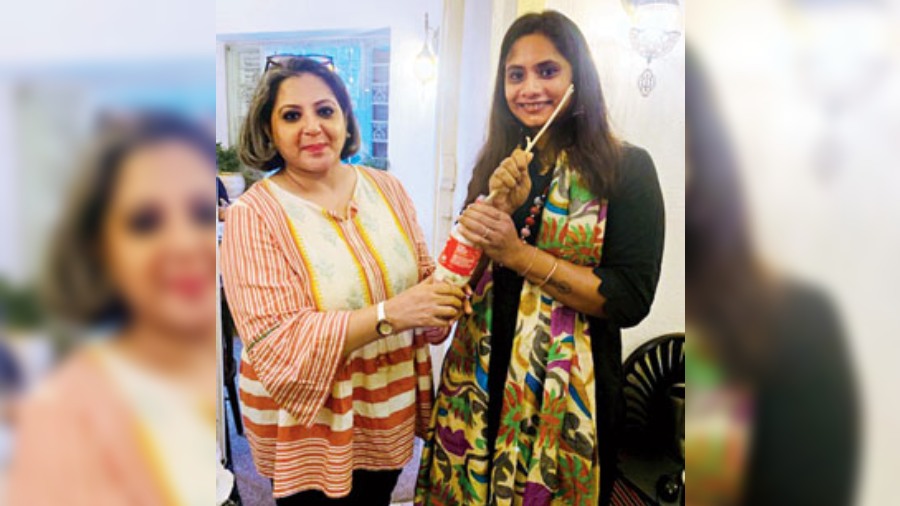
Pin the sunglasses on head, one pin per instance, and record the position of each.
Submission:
(279, 60)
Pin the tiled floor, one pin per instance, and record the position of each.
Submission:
(254, 489)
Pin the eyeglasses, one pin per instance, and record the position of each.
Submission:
(279, 60)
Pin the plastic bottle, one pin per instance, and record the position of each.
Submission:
(458, 260)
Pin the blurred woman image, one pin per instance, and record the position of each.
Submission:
(530, 398)
(327, 276)
(770, 371)
(130, 418)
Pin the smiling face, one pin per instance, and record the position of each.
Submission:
(158, 238)
(537, 77)
(308, 125)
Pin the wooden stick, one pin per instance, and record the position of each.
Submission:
(562, 103)
(532, 142)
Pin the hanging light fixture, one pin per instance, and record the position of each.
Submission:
(425, 65)
(656, 26)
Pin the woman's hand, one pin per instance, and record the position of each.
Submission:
(437, 335)
(510, 182)
(427, 304)
(493, 231)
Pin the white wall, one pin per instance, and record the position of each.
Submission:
(221, 95)
(41, 32)
(411, 149)
(475, 94)
(10, 254)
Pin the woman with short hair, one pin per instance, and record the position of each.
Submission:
(327, 275)
(130, 416)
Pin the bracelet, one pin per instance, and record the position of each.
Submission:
(555, 265)
(530, 264)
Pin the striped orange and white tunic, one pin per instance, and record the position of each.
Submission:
(292, 274)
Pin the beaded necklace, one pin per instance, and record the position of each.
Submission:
(534, 212)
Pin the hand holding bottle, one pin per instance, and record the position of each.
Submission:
(427, 304)
(437, 335)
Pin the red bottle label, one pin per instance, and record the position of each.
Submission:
(459, 258)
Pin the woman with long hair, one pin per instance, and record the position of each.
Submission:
(530, 396)
(768, 355)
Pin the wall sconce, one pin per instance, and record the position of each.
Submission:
(425, 65)
(656, 26)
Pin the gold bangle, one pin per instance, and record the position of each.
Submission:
(553, 270)
(531, 263)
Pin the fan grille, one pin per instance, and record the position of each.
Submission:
(650, 374)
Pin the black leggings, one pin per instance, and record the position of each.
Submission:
(370, 488)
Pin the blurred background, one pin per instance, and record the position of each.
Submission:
(66, 69)
(804, 96)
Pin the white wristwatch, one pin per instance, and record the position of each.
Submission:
(383, 327)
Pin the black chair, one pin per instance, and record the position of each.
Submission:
(654, 411)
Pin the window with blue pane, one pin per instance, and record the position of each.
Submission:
(363, 62)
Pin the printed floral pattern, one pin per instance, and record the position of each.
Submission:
(546, 450)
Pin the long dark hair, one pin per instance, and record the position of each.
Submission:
(582, 131)
(730, 293)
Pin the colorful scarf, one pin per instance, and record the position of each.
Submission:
(546, 449)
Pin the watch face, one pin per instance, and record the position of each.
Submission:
(385, 328)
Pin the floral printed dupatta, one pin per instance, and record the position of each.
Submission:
(546, 449)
